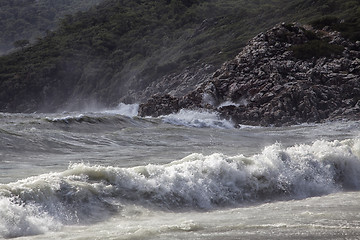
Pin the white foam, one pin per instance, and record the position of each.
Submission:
(199, 119)
(18, 219)
(45, 203)
(128, 110)
(228, 103)
(86, 193)
(68, 118)
(199, 181)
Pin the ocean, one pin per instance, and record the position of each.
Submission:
(108, 174)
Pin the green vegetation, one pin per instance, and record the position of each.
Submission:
(122, 46)
(30, 19)
(349, 28)
(347, 24)
(316, 48)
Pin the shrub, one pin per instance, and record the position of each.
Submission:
(316, 48)
(348, 27)
(325, 21)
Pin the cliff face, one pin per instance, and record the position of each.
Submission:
(287, 75)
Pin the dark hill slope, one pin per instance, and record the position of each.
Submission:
(30, 19)
(128, 50)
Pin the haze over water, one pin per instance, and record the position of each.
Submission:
(111, 175)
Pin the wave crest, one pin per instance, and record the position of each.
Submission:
(89, 193)
(199, 119)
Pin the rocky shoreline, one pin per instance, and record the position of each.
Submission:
(273, 82)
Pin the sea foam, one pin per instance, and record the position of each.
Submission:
(86, 193)
(199, 119)
(128, 110)
(19, 219)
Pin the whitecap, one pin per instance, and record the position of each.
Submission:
(198, 119)
(128, 110)
(86, 193)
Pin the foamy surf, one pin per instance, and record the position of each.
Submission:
(68, 118)
(87, 194)
(198, 119)
(20, 219)
(128, 110)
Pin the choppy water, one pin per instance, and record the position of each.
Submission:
(110, 175)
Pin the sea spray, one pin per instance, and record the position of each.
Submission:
(37, 204)
(188, 118)
(19, 219)
(199, 119)
(129, 110)
(86, 193)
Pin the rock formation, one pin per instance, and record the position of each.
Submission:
(274, 81)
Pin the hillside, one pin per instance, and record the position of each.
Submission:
(289, 74)
(125, 51)
(31, 19)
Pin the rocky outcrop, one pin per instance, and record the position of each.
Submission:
(270, 83)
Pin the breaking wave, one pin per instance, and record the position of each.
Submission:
(100, 116)
(86, 194)
(128, 110)
(199, 119)
(188, 118)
